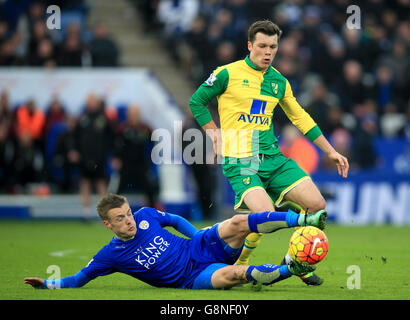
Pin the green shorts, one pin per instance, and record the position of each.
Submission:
(275, 174)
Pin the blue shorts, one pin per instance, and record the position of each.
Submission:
(209, 248)
(203, 280)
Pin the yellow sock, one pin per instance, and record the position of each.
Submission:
(301, 211)
(251, 242)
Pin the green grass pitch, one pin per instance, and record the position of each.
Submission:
(29, 248)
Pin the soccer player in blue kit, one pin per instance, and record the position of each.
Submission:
(143, 249)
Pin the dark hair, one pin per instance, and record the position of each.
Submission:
(264, 26)
(108, 202)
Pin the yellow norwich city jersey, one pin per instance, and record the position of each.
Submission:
(247, 98)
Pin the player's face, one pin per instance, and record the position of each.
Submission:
(121, 222)
(263, 50)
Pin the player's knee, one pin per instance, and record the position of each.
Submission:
(226, 277)
(239, 224)
(233, 273)
(317, 204)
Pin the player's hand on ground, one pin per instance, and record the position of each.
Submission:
(341, 162)
(34, 282)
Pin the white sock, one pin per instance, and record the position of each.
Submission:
(287, 258)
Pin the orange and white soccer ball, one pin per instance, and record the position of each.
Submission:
(308, 245)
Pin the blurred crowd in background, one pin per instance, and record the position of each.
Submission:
(25, 39)
(354, 82)
(46, 149)
(67, 153)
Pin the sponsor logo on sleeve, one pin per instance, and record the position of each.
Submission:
(210, 81)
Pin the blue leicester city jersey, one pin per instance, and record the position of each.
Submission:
(154, 255)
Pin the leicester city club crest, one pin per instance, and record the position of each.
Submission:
(143, 225)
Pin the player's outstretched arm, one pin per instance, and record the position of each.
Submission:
(182, 225)
(341, 162)
(75, 281)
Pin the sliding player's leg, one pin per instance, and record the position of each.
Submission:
(234, 231)
(267, 221)
(220, 276)
(230, 236)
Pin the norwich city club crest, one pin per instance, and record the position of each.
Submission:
(274, 88)
(246, 180)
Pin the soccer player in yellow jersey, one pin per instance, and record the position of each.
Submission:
(247, 92)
